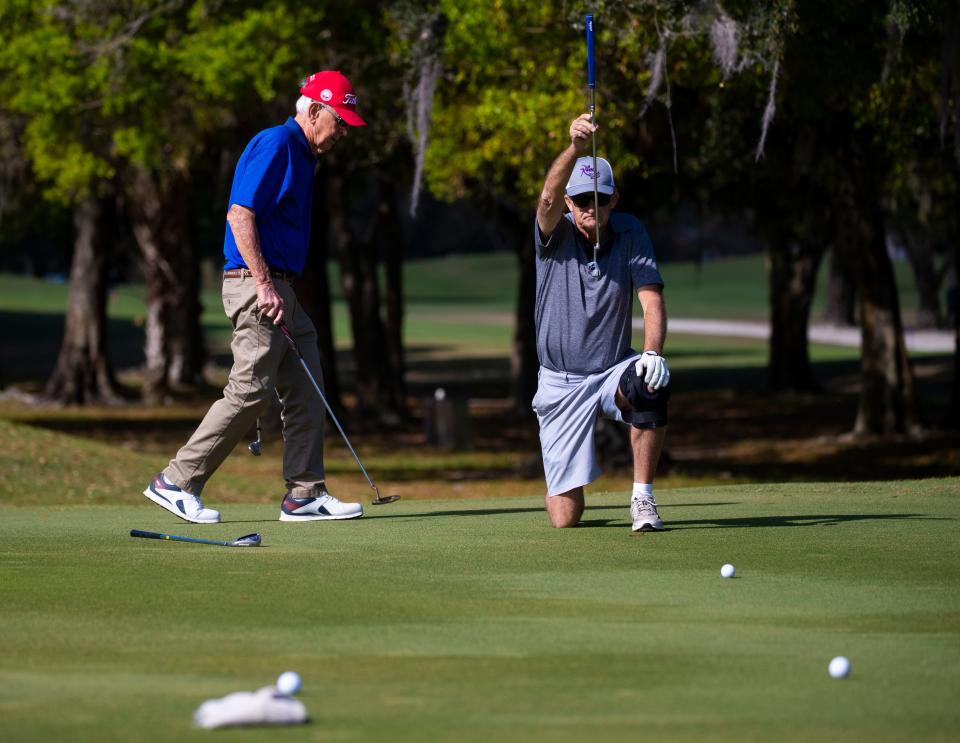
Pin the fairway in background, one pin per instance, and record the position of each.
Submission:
(461, 305)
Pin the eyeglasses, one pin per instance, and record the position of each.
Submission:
(585, 200)
(333, 112)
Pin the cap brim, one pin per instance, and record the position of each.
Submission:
(350, 117)
(588, 188)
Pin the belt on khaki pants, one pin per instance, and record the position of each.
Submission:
(243, 273)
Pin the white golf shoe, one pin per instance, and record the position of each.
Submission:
(322, 508)
(179, 502)
(643, 511)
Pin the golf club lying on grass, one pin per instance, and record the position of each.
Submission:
(380, 499)
(248, 540)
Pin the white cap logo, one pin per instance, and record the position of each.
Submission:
(326, 94)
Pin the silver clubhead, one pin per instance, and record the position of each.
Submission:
(248, 540)
(594, 268)
(255, 448)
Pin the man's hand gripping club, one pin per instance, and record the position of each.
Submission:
(652, 368)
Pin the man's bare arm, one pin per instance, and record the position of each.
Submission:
(654, 317)
(243, 223)
(550, 208)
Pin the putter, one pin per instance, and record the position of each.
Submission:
(256, 447)
(380, 499)
(247, 540)
(593, 266)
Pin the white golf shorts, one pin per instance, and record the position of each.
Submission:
(567, 407)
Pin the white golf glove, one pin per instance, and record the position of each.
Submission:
(652, 369)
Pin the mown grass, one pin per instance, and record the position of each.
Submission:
(457, 613)
(474, 620)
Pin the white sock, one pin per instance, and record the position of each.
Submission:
(642, 490)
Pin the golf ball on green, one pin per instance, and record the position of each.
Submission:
(839, 667)
(288, 683)
(728, 571)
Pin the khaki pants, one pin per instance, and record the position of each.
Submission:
(263, 364)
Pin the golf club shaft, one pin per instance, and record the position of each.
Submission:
(172, 538)
(337, 422)
(592, 84)
(323, 398)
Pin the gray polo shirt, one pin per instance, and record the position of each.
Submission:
(584, 323)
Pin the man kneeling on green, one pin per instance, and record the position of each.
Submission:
(583, 318)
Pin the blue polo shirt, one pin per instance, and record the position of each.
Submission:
(274, 177)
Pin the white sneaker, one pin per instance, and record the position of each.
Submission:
(179, 502)
(643, 510)
(322, 508)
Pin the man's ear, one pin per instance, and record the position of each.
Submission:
(614, 198)
(569, 202)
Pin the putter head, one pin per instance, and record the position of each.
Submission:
(381, 500)
(247, 540)
(255, 448)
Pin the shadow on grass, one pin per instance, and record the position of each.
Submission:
(536, 509)
(766, 522)
(753, 522)
(31, 342)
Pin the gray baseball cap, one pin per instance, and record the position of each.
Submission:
(581, 179)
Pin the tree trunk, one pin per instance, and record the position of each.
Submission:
(841, 301)
(524, 363)
(926, 279)
(83, 373)
(313, 291)
(792, 278)
(887, 397)
(954, 417)
(391, 234)
(356, 236)
(174, 342)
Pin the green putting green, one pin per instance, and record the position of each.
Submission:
(473, 620)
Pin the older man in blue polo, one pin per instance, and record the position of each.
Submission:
(265, 245)
(585, 290)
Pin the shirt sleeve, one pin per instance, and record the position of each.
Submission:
(643, 262)
(548, 245)
(262, 183)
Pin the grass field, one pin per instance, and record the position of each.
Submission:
(471, 619)
(457, 614)
(453, 620)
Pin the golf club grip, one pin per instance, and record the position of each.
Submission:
(146, 534)
(286, 334)
(591, 68)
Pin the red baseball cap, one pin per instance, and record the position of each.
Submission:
(333, 88)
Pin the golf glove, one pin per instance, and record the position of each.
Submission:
(652, 369)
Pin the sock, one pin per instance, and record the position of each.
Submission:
(642, 490)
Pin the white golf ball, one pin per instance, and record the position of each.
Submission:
(288, 683)
(728, 571)
(839, 667)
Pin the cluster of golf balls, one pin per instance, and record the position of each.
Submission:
(839, 667)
